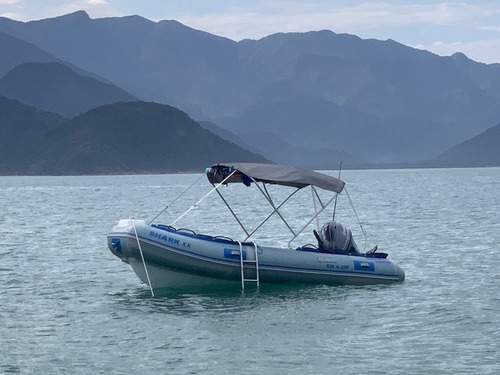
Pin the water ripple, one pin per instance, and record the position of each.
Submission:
(69, 306)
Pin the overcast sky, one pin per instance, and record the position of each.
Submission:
(471, 27)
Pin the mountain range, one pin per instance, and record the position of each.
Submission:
(125, 137)
(54, 87)
(19, 121)
(480, 151)
(308, 99)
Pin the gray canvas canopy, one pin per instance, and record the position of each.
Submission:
(273, 174)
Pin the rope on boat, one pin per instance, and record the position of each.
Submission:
(142, 256)
(176, 199)
(357, 217)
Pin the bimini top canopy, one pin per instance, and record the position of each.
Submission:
(272, 174)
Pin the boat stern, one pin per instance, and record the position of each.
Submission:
(399, 272)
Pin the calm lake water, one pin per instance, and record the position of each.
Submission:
(68, 306)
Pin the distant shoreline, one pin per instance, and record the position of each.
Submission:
(367, 168)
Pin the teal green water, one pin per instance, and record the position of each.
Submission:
(68, 306)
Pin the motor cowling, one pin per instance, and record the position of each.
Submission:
(334, 236)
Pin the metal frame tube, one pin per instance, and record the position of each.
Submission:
(203, 198)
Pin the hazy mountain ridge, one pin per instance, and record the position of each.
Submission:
(274, 148)
(144, 57)
(55, 88)
(16, 51)
(18, 120)
(127, 137)
(479, 151)
(377, 100)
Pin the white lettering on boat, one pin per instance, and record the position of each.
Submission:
(326, 259)
(344, 267)
(332, 263)
(168, 239)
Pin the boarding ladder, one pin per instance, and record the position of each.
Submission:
(249, 261)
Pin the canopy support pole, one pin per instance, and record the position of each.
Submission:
(202, 199)
(335, 206)
(315, 196)
(175, 200)
(269, 199)
(232, 212)
(275, 210)
(272, 213)
(311, 220)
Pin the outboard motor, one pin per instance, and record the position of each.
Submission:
(334, 236)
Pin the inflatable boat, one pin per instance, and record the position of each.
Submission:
(164, 256)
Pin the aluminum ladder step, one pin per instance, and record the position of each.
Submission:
(249, 261)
